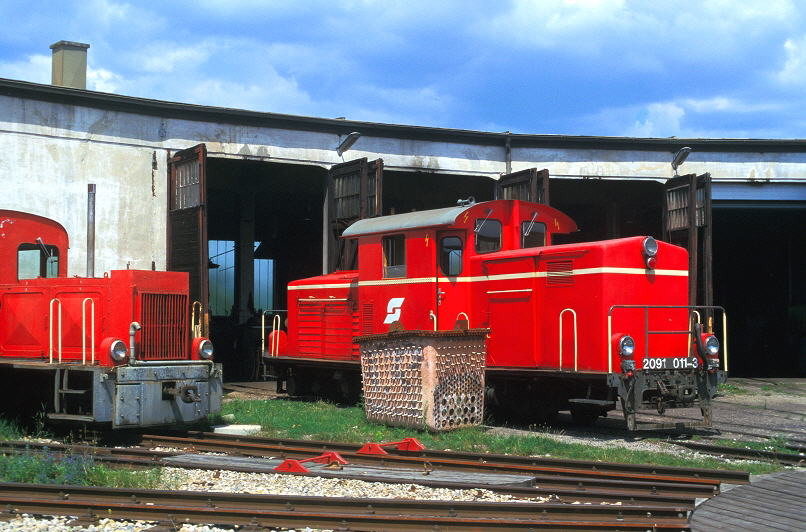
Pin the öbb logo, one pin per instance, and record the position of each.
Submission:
(393, 309)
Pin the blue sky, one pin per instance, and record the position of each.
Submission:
(710, 68)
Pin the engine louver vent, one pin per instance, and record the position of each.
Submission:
(560, 273)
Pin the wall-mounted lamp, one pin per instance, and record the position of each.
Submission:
(348, 142)
(680, 158)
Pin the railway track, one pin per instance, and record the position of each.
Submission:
(578, 495)
(563, 488)
(259, 511)
(797, 459)
(455, 460)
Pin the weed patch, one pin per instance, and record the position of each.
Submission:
(48, 467)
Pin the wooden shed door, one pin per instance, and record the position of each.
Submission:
(353, 193)
(690, 227)
(527, 185)
(187, 224)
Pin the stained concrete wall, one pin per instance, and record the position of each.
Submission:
(51, 151)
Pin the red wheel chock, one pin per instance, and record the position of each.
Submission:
(295, 466)
(408, 444)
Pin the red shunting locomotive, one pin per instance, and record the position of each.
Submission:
(577, 327)
(113, 350)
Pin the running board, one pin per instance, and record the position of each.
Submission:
(71, 417)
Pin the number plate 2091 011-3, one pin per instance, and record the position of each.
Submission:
(671, 363)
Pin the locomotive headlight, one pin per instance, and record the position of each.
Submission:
(649, 246)
(626, 346)
(117, 350)
(205, 348)
(711, 344)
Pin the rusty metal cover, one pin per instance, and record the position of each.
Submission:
(424, 379)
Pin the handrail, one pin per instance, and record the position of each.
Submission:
(433, 316)
(275, 340)
(576, 346)
(509, 291)
(84, 330)
(694, 309)
(275, 323)
(50, 329)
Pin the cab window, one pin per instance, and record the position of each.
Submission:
(394, 256)
(450, 256)
(37, 260)
(533, 234)
(488, 235)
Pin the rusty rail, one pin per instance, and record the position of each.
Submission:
(179, 507)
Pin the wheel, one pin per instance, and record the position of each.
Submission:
(297, 384)
(584, 416)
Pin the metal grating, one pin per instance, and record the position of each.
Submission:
(431, 380)
(367, 313)
(560, 273)
(164, 320)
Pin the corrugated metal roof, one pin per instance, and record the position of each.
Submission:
(409, 220)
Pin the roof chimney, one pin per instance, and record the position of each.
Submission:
(70, 64)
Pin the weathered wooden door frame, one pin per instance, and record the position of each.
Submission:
(354, 192)
(187, 247)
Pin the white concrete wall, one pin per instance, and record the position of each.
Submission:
(51, 152)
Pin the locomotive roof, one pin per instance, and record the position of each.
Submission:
(430, 218)
(409, 220)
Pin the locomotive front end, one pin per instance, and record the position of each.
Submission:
(662, 352)
(164, 376)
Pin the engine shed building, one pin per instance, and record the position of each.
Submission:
(248, 201)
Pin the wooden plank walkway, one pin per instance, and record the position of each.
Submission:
(358, 472)
(773, 503)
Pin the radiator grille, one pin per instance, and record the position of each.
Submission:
(164, 320)
(560, 273)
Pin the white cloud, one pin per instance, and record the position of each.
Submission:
(166, 57)
(657, 120)
(273, 94)
(794, 71)
(722, 104)
(570, 24)
(103, 80)
(36, 68)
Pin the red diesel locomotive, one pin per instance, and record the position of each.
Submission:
(571, 327)
(63, 340)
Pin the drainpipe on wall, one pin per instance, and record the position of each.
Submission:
(91, 231)
(509, 155)
(69, 64)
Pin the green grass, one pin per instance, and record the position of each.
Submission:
(728, 388)
(48, 467)
(776, 443)
(324, 421)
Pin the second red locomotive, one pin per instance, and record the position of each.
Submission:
(577, 327)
